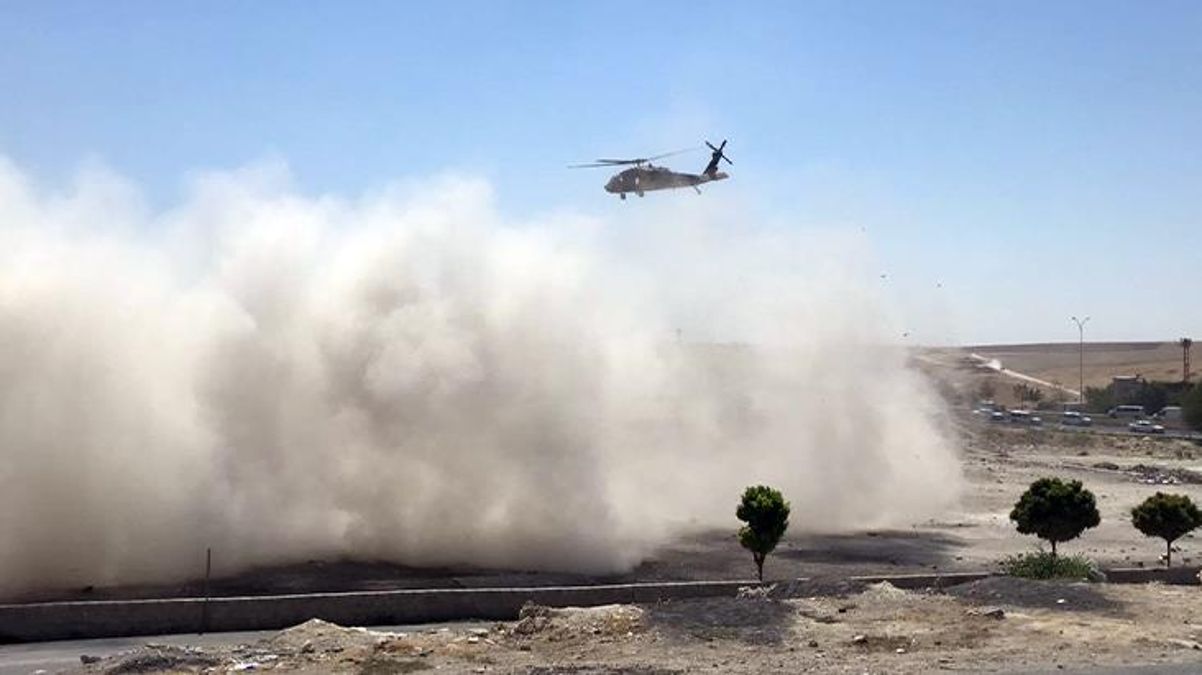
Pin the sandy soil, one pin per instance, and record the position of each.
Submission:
(996, 624)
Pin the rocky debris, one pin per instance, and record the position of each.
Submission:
(316, 635)
(885, 591)
(882, 629)
(756, 592)
(898, 644)
(996, 613)
(1163, 475)
(561, 623)
(156, 659)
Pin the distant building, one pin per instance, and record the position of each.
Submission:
(1126, 387)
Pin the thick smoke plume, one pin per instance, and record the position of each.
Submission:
(405, 376)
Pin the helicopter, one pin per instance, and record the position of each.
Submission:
(643, 176)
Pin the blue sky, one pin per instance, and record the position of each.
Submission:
(1013, 163)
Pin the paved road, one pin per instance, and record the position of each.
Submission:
(996, 366)
(52, 657)
(1105, 426)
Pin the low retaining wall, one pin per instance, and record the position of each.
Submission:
(1176, 576)
(80, 620)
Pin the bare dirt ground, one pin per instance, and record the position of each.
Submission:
(996, 624)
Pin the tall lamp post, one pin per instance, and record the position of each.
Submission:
(1081, 357)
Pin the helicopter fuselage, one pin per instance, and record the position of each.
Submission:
(640, 179)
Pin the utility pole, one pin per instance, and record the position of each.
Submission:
(1081, 356)
(1185, 343)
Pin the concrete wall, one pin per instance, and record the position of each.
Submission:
(78, 620)
(1177, 576)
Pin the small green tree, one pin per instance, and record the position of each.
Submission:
(767, 516)
(1191, 407)
(1054, 510)
(1166, 516)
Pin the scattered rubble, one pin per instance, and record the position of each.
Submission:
(1161, 475)
(999, 622)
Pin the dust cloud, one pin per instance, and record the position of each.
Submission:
(407, 376)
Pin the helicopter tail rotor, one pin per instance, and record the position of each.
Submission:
(716, 156)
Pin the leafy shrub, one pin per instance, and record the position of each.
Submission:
(1046, 565)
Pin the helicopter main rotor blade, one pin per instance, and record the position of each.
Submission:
(624, 162)
(669, 154)
(607, 162)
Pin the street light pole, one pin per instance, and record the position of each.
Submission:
(1081, 356)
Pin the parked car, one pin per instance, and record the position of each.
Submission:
(1145, 427)
(1072, 418)
(1025, 417)
(1136, 411)
(997, 416)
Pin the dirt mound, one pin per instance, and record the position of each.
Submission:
(884, 591)
(157, 659)
(568, 622)
(1013, 591)
(318, 635)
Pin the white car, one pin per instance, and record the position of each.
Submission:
(1072, 418)
(1025, 417)
(1145, 427)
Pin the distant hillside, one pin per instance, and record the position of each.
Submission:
(1058, 361)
